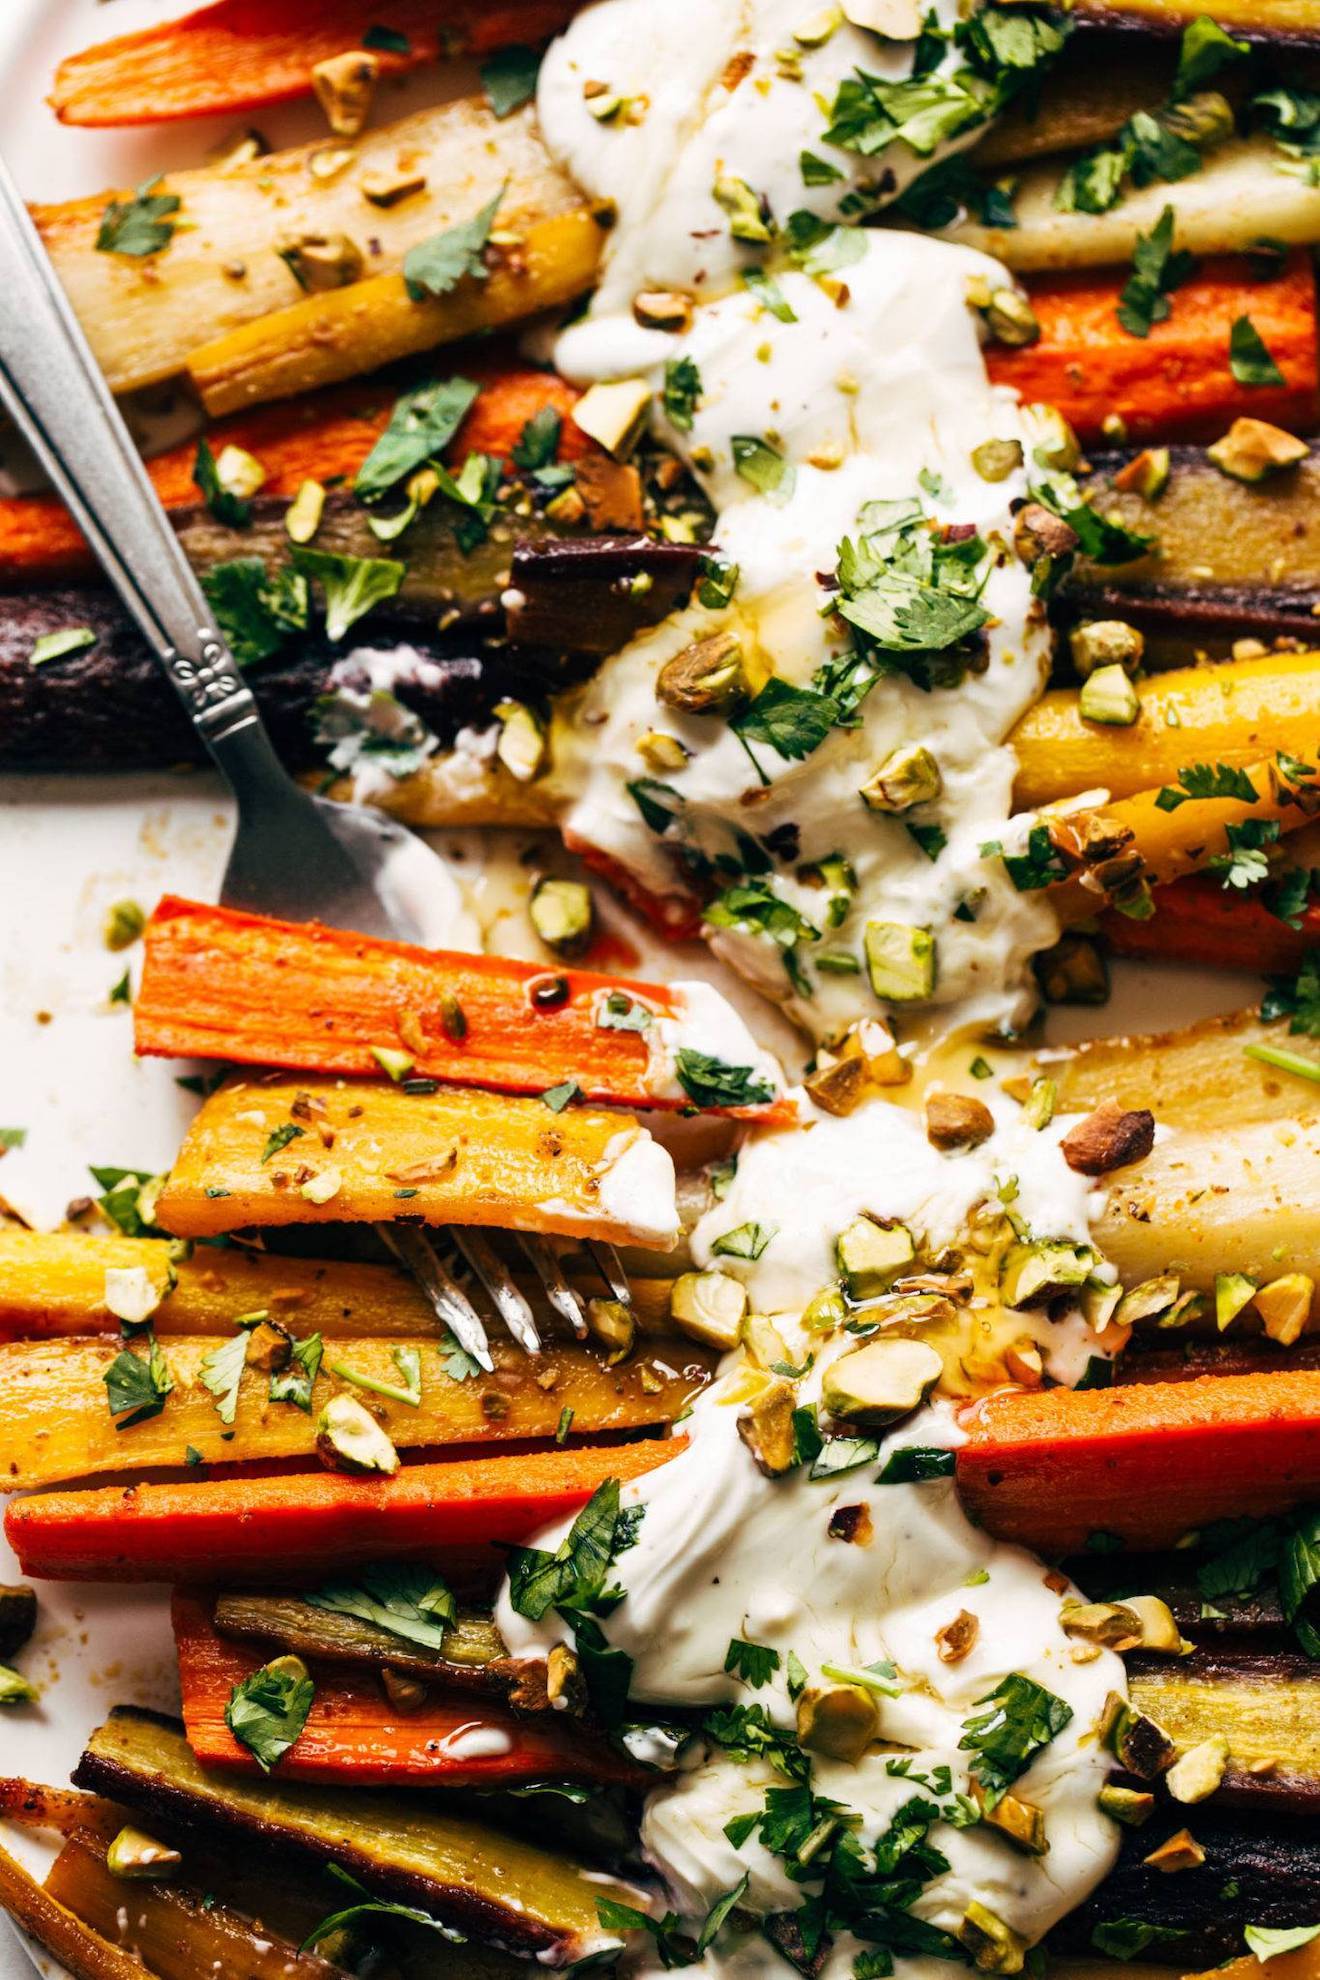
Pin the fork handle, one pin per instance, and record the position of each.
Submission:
(52, 388)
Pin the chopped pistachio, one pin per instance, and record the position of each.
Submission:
(766, 1427)
(1109, 697)
(1038, 1108)
(995, 1947)
(764, 1343)
(746, 222)
(1038, 535)
(900, 961)
(394, 1064)
(1179, 1852)
(817, 28)
(238, 472)
(957, 1120)
(1284, 1306)
(662, 309)
(1074, 971)
(302, 518)
(1233, 1292)
(236, 148)
(1196, 1774)
(1252, 450)
(321, 1188)
(1141, 1746)
(611, 1322)
(1203, 120)
(958, 1637)
(131, 1294)
(345, 85)
(1009, 317)
(662, 751)
(563, 914)
(1020, 1822)
(706, 677)
(896, 20)
(1151, 1297)
(1111, 1625)
(907, 776)
(135, 1854)
(565, 1686)
(710, 1306)
(348, 1438)
(613, 413)
(329, 160)
(995, 460)
(838, 1086)
(1053, 442)
(838, 1720)
(389, 187)
(1133, 1807)
(1042, 1268)
(881, 1382)
(523, 745)
(1146, 474)
(871, 1255)
(123, 924)
(1159, 1631)
(322, 261)
(825, 1311)
(1103, 643)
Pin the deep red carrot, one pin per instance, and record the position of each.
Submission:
(1198, 920)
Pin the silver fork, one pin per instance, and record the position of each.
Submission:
(295, 856)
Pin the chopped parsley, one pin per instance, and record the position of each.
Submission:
(769, 294)
(139, 226)
(226, 507)
(1290, 896)
(817, 171)
(1297, 998)
(136, 1385)
(761, 466)
(437, 265)
(932, 839)
(673, 1946)
(402, 1597)
(754, 1664)
(280, 1137)
(646, 793)
(221, 1371)
(538, 443)
(710, 1082)
(1021, 1718)
(1207, 780)
(620, 1012)
(129, 1200)
(681, 393)
(917, 1464)
(352, 585)
(57, 645)
(256, 610)
(508, 77)
(1128, 1938)
(1041, 865)
(716, 584)
(421, 425)
(1157, 270)
(1249, 358)
(268, 1710)
(1246, 862)
(1206, 49)
(574, 1576)
(294, 1382)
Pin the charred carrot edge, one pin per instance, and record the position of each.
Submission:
(1144, 1464)
(79, 1950)
(259, 1528)
(1176, 383)
(355, 1737)
(243, 54)
(315, 438)
(224, 985)
(1199, 921)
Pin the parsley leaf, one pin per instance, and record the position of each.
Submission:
(129, 1200)
(352, 585)
(681, 393)
(1127, 1938)
(1290, 896)
(574, 1576)
(421, 425)
(792, 721)
(295, 1381)
(509, 77)
(754, 906)
(136, 1385)
(709, 1082)
(1246, 862)
(280, 1137)
(672, 1945)
(403, 1597)
(255, 610)
(753, 1663)
(267, 1711)
(746, 1732)
(1207, 780)
(229, 509)
(726, 1903)
(221, 1371)
(538, 443)
(1249, 359)
(646, 793)
(1022, 1718)
(1296, 998)
(1205, 50)
(436, 266)
(917, 1464)
(139, 226)
(1156, 270)
(1039, 866)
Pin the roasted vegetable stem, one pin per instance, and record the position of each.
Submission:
(81, 1951)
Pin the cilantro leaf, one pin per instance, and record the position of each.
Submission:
(1290, 896)
(538, 443)
(769, 294)
(1039, 866)
(1249, 358)
(352, 585)
(508, 77)
(403, 1597)
(746, 1732)
(753, 905)
(227, 508)
(255, 610)
(1246, 861)
(280, 1137)
(792, 721)
(221, 1371)
(710, 1082)
(129, 1200)
(294, 1382)
(268, 1710)
(1022, 1717)
(1206, 49)
(437, 265)
(421, 425)
(1156, 270)
(574, 1576)
(136, 1385)
(727, 1902)
(917, 1464)
(1297, 998)
(1127, 1938)
(1299, 1580)
(139, 226)
(753, 1663)
(1207, 780)
(681, 393)
(672, 1945)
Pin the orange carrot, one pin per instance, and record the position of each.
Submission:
(355, 1737)
(316, 438)
(243, 54)
(1176, 383)
(226, 985)
(1049, 1468)
(259, 1528)
(1198, 920)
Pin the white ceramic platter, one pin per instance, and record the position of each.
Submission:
(69, 847)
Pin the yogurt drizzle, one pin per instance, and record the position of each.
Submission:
(868, 394)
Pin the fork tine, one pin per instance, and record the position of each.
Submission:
(545, 1263)
(494, 1276)
(415, 1253)
(610, 1266)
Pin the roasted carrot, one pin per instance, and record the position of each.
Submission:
(1145, 1464)
(1198, 920)
(315, 438)
(221, 984)
(260, 1529)
(1175, 383)
(354, 1736)
(244, 54)
(81, 1952)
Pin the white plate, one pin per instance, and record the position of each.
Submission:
(69, 847)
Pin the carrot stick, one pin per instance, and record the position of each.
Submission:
(315, 438)
(1175, 383)
(1198, 920)
(256, 1529)
(79, 1950)
(226, 985)
(244, 54)
(1050, 1468)
(355, 1737)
